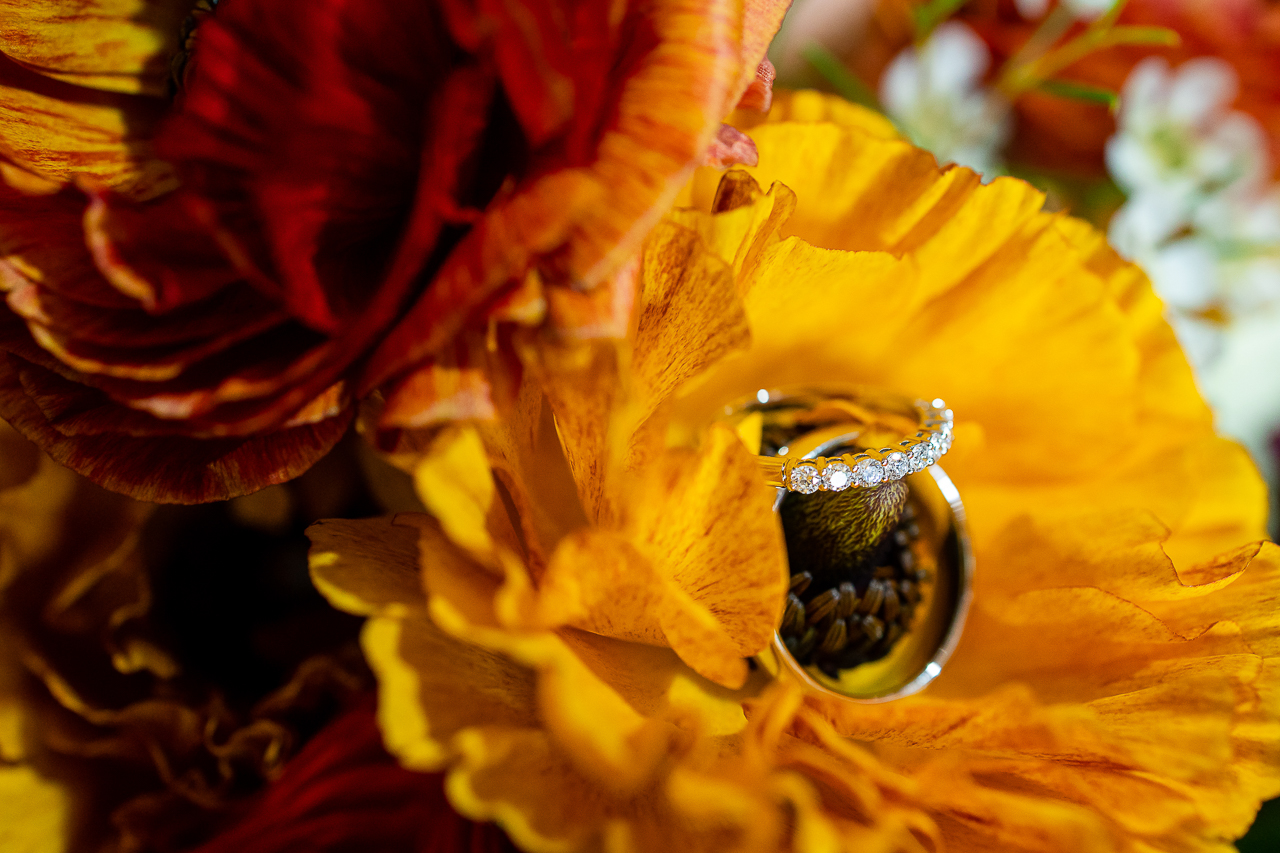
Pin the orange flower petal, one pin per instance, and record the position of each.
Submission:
(690, 306)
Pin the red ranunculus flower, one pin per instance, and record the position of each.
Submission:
(370, 195)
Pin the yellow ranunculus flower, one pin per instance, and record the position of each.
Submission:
(564, 632)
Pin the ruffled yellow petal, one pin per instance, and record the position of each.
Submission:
(1166, 390)
(1074, 359)
(571, 432)
(708, 524)
(584, 713)
(1206, 491)
(1082, 668)
(634, 578)
(749, 221)
(369, 568)
(431, 688)
(455, 485)
(838, 173)
(1073, 658)
(625, 740)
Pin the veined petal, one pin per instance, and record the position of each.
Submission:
(592, 218)
(61, 136)
(190, 470)
(130, 49)
(733, 563)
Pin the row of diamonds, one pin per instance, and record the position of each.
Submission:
(871, 468)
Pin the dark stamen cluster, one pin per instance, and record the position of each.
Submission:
(837, 620)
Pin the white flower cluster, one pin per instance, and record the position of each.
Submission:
(1203, 218)
(936, 97)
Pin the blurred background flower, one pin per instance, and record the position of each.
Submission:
(936, 97)
(159, 665)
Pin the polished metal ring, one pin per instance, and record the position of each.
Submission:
(874, 620)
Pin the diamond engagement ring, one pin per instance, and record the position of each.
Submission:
(877, 547)
(867, 468)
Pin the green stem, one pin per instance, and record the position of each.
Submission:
(1053, 27)
(1018, 80)
(1080, 92)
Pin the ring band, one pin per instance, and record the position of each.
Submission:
(867, 468)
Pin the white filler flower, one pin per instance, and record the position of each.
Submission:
(1179, 143)
(1204, 222)
(936, 97)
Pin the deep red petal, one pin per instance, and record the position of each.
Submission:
(165, 469)
(533, 54)
(222, 319)
(156, 252)
(42, 236)
(303, 127)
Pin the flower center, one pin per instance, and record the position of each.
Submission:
(855, 579)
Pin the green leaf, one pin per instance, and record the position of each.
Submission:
(845, 83)
(1080, 92)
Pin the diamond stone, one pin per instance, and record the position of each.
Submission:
(837, 476)
(941, 443)
(896, 466)
(867, 472)
(921, 456)
(805, 479)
